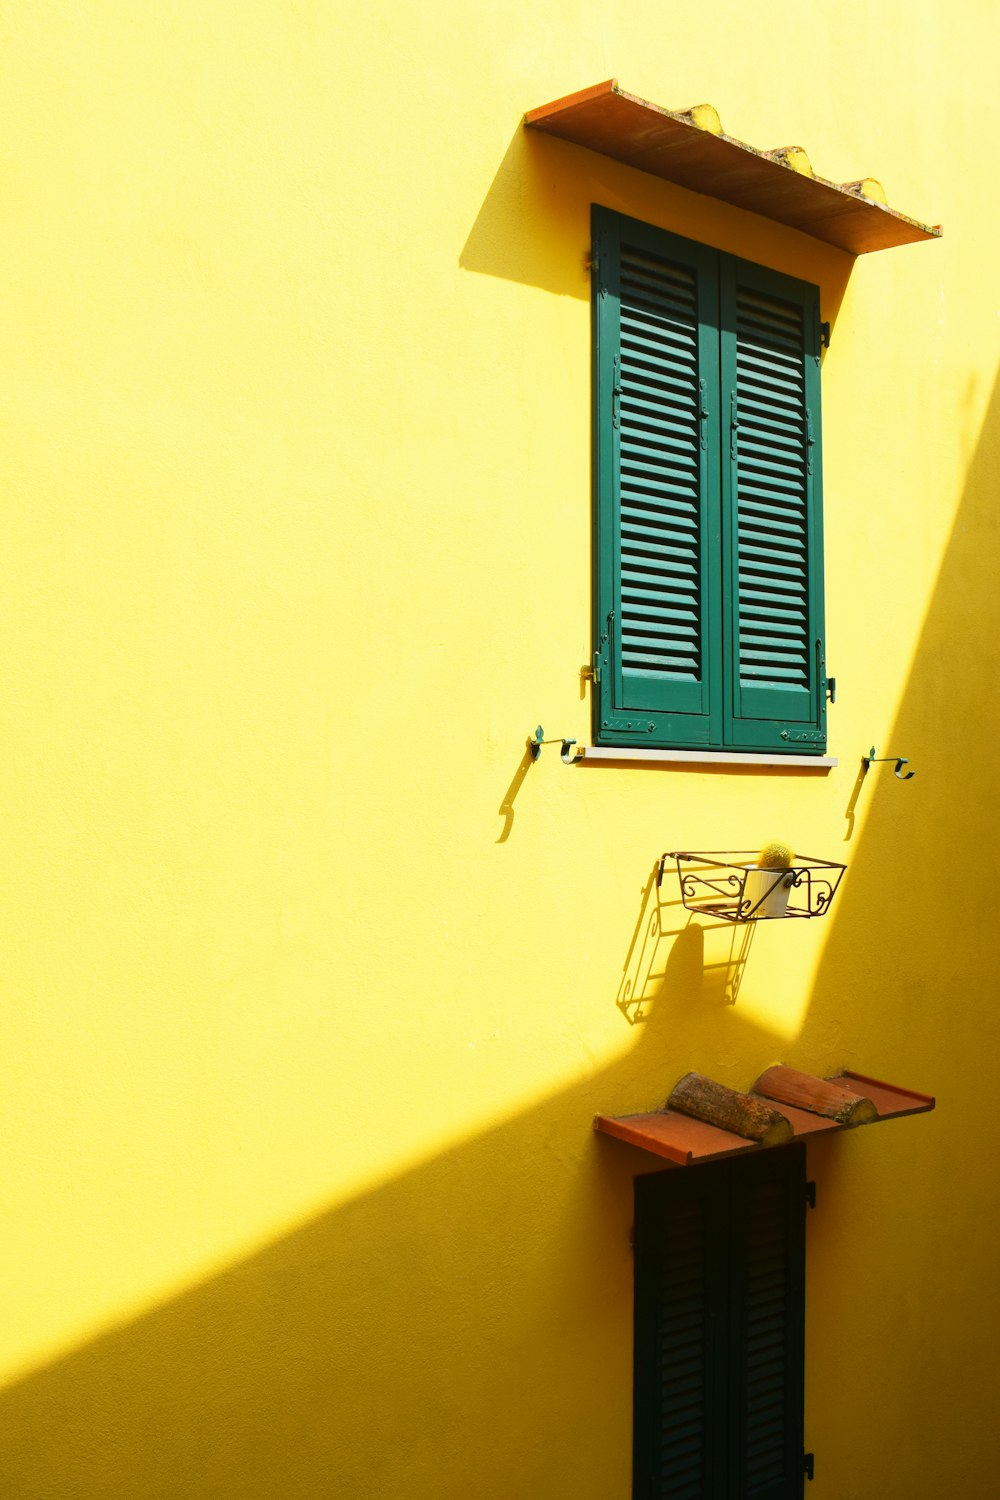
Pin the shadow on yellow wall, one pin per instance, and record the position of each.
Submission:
(533, 225)
(538, 190)
(911, 954)
(672, 952)
(465, 1328)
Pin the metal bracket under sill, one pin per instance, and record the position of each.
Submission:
(591, 754)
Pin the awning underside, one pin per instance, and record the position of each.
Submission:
(690, 148)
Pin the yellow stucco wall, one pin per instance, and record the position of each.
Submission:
(312, 985)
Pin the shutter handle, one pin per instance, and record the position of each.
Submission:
(734, 424)
(616, 396)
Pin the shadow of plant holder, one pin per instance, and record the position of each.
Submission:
(662, 944)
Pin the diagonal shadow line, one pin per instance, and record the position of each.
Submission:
(369, 1352)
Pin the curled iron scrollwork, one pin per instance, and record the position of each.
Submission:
(724, 876)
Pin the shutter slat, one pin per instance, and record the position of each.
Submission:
(655, 354)
(641, 595)
(771, 483)
(658, 277)
(653, 612)
(659, 556)
(641, 506)
(650, 385)
(657, 417)
(650, 413)
(766, 513)
(672, 465)
(646, 322)
(763, 595)
(638, 491)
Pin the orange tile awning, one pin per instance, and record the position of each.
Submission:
(690, 148)
(686, 1141)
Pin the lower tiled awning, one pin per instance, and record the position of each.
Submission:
(844, 1102)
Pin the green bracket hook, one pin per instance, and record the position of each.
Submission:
(901, 760)
(537, 740)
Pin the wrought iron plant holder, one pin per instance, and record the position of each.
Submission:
(715, 884)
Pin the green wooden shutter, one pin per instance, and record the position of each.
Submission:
(681, 1336)
(719, 1330)
(767, 1312)
(708, 597)
(772, 509)
(657, 616)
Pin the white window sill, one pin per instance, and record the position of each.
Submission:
(585, 755)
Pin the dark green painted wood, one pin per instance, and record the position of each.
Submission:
(719, 1330)
(657, 583)
(681, 1354)
(708, 593)
(774, 654)
(767, 1324)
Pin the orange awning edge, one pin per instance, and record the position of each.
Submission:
(690, 148)
(686, 1142)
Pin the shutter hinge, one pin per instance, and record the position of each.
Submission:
(734, 424)
(598, 659)
(809, 1465)
(616, 395)
(822, 678)
(595, 267)
(824, 335)
(810, 440)
(811, 1194)
(703, 413)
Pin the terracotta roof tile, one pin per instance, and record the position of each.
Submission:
(691, 148)
(686, 1141)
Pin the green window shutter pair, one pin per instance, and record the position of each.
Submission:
(708, 530)
(719, 1330)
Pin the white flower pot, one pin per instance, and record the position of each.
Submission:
(767, 891)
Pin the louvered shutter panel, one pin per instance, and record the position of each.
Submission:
(656, 423)
(719, 1330)
(772, 508)
(767, 1312)
(681, 1334)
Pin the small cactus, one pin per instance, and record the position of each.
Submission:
(775, 856)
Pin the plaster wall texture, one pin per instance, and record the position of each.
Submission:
(312, 983)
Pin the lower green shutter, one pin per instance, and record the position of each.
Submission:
(681, 1335)
(767, 1310)
(719, 1330)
